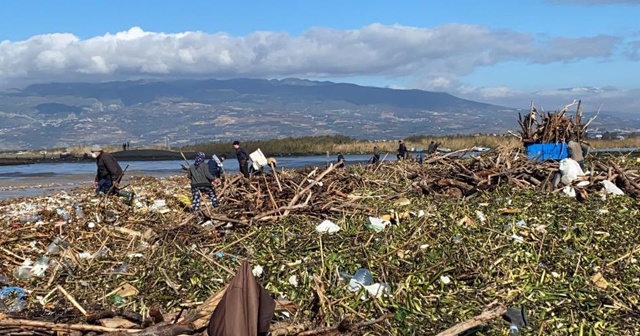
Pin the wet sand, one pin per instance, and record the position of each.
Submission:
(32, 186)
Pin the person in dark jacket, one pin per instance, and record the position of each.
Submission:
(201, 183)
(243, 159)
(340, 161)
(109, 174)
(216, 167)
(432, 148)
(402, 150)
(376, 155)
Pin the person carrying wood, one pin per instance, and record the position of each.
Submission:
(108, 175)
(376, 155)
(201, 181)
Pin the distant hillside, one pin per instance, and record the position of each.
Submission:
(185, 111)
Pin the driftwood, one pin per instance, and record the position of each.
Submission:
(474, 322)
(553, 127)
(453, 177)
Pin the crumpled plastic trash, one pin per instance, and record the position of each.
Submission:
(481, 216)
(41, 266)
(159, 206)
(377, 224)
(12, 300)
(257, 271)
(378, 289)
(328, 227)
(611, 188)
(570, 170)
(293, 280)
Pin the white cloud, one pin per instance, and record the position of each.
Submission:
(439, 53)
(593, 98)
(428, 58)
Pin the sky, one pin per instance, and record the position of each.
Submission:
(508, 52)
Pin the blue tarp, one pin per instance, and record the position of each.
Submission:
(548, 151)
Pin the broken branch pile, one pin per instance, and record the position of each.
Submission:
(156, 269)
(538, 127)
(458, 178)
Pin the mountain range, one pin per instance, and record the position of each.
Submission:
(180, 112)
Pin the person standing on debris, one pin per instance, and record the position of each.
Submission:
(216, 167)
(402, 150)
(376, 155)
(124, 146)
(243, 159)
(574, 151)
(432, 148)
(108, 175)
(201, 183)
(340, 162)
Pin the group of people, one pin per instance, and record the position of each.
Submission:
(203, 176)
(403, 153)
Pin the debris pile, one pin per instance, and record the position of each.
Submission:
(538, 127)
(358, 249)
(448, 176)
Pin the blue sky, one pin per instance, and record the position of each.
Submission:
(501, 51)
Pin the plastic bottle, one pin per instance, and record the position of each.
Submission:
(22, 272)
(56, 244)
(362, 277)
(40, 266)
(78, 210)
(513, 330)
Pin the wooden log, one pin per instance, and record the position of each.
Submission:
(475, 321)
(28, 324)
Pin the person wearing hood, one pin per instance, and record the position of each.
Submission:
(216, 166)
(201, 180)
(108, 175)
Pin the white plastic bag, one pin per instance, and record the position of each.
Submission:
(328, 227)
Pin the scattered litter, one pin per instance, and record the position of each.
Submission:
(599, 281)
(12, 300)
(481, 217)
(517, 239)
(542, 229)
(445, 279)
(611, 188)
(377, 224)
(126, 290)
(293, 280)
(361, 278)
(328, 227)
(521, 223)
(402, 201)
(257, 271)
